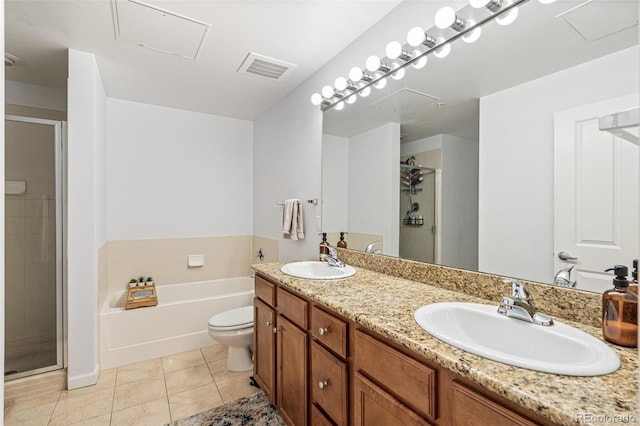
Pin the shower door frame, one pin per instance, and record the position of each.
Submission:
(60, 134)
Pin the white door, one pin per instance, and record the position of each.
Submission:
(596, 194)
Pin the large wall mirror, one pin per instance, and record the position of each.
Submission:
(493, 158)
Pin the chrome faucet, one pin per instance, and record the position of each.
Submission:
(332, 258)
(520, 305)
(563, 277)
(369, 248)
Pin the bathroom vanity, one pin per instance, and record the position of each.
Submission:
(349, 352)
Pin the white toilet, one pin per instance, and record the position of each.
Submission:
(234, 328)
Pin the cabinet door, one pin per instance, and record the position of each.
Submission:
(372, 406)
(292, 353)
(264, 346)
(473, 409)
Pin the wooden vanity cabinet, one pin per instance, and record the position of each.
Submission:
(281, 345)
(317, 367)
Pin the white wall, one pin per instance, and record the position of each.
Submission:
(35, 96)
(516, 158)
(86, 227)
(288, 151)
(2, 87)
(175, 173)
(335, 181)
(459, 243)
(374, 163)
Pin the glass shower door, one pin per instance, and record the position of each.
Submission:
(33, 273)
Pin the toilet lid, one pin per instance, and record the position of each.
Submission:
(233, 318)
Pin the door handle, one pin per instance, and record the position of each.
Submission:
(563, 255)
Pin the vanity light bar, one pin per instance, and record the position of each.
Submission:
(378, 70)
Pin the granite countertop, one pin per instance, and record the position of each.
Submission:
(385, 304)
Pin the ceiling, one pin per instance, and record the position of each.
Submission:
(304, 34)
(444, 96)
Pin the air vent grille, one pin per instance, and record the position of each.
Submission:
(265, 67)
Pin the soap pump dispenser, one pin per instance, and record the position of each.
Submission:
(342, 243)
(633, 284)
(324, 246)
(620, 311)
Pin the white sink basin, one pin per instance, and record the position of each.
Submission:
(479, 329)
(316, 270)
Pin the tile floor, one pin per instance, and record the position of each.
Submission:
(150, 392)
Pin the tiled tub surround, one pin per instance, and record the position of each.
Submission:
(165, 259)
(385, 304)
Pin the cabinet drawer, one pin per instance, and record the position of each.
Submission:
(318, 418)
(472, 409)
(412, 382)
(329, 330)
(265, 290)
(293, 307)
(329, 378)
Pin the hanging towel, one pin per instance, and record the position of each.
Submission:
(292, 223)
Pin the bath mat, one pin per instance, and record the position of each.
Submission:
(252, 410)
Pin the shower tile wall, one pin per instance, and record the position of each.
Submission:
(30, 270)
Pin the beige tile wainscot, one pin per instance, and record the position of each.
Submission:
(381, 306)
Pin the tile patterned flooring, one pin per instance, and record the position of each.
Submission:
(151, 392)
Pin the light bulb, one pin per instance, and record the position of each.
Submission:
(398, 74)
(327, 91)
(365, 92)
(356, 74)
(416, 36)
(421, 62)
(445, 17)
(508, 17)
(474, 35)
(380, 84)
(351, 99)
(442, 51)
(492, 5)
(339, 106)
(394, 50)
(478, 3)
(316, 99)
(341, 83)
(373, 63)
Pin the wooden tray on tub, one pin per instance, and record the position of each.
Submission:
(141, 296)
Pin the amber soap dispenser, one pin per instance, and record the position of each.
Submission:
(620, 311)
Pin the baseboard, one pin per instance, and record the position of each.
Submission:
(82, 380)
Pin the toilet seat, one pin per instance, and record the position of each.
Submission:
(233, 319)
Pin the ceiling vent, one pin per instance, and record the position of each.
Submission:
(405, 99)
(158, 29)
(265, 67)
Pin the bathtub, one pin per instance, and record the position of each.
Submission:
(177, 324)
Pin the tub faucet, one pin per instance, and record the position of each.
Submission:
(369, 248)
(520, 305)
(332, 258)
(563, 277)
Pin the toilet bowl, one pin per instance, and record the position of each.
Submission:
(234, 328)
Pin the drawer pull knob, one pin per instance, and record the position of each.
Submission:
(276, 329)
(323, 384)
(269, 323)
(323, 331)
